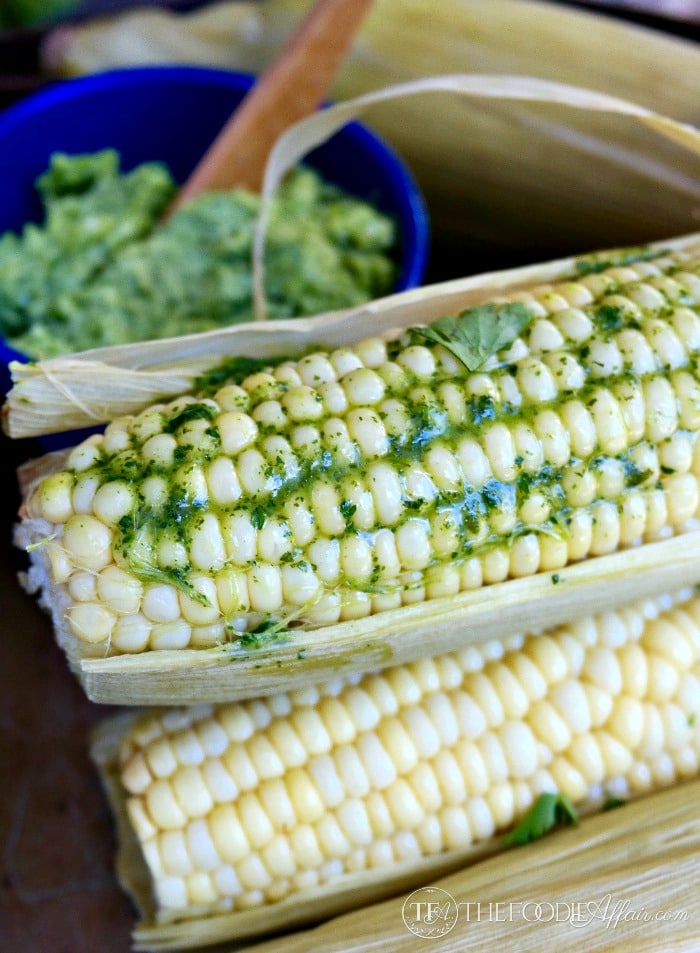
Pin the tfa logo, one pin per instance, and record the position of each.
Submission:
(430, 912)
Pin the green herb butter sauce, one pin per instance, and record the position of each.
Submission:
(102, 269)
(439, 411)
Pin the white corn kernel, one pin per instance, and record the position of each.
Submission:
(554, 437)
(417, 359)
(119, 590)
(566, 370)
(116, 437)
(131, 633)
(606, 529)
(609, 423)
(84, 493)
(303, 403)
(202, 607)
(161, 603)
(237, 431)
(536, 381)
(500, 449)
(682, 497)
(525, 555)
(90, 622)
(662, 413)
(273, 541)
(270, 414)
(240, 537)
(367, 430)
(580, 426)
(167, 636)
(160, 450)
(155, 491)
(85, 455)
(604, 359)
(413, 544)
(207, 548)
(265, 588)
(574, 324)
(88, 542)
(544, 336)
(222, 481)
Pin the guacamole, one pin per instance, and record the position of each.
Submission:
(101, 269)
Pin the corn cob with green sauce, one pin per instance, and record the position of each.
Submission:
(352, 481)
(242, 806)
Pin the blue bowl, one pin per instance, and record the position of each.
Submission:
(172, 114)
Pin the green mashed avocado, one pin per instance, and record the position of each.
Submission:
(101, 269)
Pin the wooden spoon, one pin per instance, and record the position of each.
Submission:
(292, 88)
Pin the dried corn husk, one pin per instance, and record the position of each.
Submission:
(66, 393)
(595, 882)
(463, 155)
(318, 903)
(648, 845)
(230, 672)
(127, 378)
(71, 392)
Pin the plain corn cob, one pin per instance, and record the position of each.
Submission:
(242, 806)
(352, 481)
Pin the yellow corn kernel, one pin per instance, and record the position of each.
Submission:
(247, 803)
(354, 481)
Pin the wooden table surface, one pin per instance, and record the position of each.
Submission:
(58, 892)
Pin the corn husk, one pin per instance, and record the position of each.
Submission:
(318, 903)
(127, 378)
(480, 168)
(230, 672)
(70, 392)
(621, 880)
(94, 387)
(97, 386)
(644, 851)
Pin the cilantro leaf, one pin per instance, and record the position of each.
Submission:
(611, 802)
(478, 333)
(547, 811)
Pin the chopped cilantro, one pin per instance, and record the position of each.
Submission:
(232, 371)
(634, 475)
(548, 811)
(188, 413)
(258, 517)
(594, 264)
(348, 509)
(481, 408)
(611, 802)
(609, 318)
(269, 630)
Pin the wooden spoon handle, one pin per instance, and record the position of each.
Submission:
(292, 88)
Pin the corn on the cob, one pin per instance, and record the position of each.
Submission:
(352, 481)
(243, 805)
